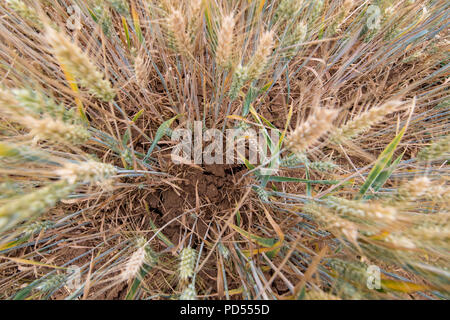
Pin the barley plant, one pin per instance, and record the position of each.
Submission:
(349, 201)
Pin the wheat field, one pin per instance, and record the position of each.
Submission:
(344, 103)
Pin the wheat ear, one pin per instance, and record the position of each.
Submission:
(78, 64)
(86, 172)
(177, 28)
(311, 130)
(225, 42)
(261, 57)
(187, 263)
(364, 121)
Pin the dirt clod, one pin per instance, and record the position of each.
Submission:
(214, 188)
